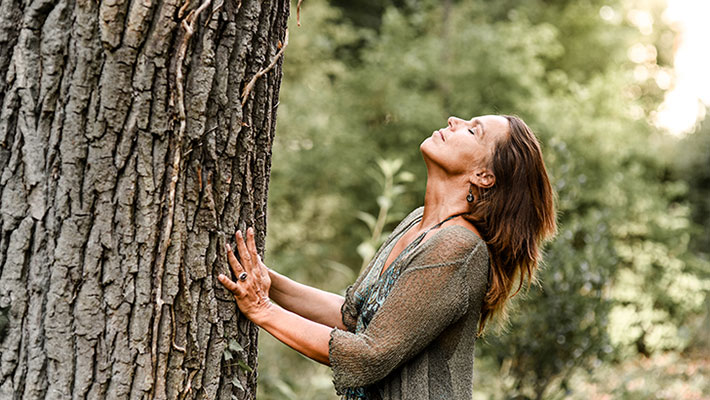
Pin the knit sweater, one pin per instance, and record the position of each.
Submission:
(420, 343)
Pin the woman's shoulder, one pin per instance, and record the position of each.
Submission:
(452, 244)
(459, 237)
(461, 247)
(458, 254)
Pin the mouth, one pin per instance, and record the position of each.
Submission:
(441, 134)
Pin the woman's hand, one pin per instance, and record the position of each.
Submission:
(251, 288)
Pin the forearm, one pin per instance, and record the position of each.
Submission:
(309, 302)
(305, 336)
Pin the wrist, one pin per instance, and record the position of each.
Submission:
(275, 276)
(277, 282)
(265, 314)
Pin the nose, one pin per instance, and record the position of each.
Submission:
(453, 122)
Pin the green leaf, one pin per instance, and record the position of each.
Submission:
(237, 383)
(406, 176)
(390, 167)
(397, 190)
(368, 219)
(365, 250)
(385, 166)
(227, 354)
(384, 202)
(244, 367)
(235, 346)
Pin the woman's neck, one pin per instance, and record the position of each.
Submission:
(444, 197)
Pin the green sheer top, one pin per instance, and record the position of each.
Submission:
(419, 342)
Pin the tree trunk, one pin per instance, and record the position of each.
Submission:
(126, 161)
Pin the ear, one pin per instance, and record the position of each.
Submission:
(484, 178)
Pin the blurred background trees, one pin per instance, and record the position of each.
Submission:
(623, 291)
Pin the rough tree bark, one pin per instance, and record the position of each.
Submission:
(108, 252)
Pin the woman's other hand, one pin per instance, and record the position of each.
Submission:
(251, 287)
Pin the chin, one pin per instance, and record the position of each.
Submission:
(425, 149)
(425, 144)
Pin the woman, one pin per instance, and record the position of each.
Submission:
(406, 328)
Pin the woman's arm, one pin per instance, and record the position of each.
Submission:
(307, 337)
(309, 302)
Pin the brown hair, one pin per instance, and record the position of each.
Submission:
(513, 216)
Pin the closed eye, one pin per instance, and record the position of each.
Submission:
(472, 131)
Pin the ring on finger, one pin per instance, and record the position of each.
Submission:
(243, 276)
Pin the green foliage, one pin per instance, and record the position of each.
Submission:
(310, 170)
(691, 161)
(234, 355)
(391, 181)
(625, 274)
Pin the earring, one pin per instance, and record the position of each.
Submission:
(469, 198)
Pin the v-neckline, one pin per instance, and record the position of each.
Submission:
(384, 267)
(393, 244)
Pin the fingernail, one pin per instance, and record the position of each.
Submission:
(229, 248)
(250, 230)
(220, 277)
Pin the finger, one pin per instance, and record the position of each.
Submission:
(233, 262)
(262, 267)
(243, 252)
(230, 285)
(251, 246)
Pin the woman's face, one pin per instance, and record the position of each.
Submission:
(465, 147)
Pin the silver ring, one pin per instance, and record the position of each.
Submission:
(243, 276)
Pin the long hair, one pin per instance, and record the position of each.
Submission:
(513, 216)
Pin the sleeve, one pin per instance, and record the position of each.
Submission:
(424, 301)
(348, 310)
